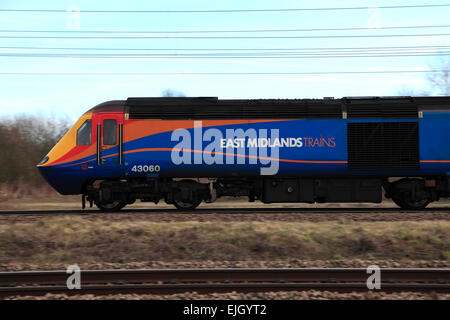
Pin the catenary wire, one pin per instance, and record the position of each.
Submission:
(230, 37)
(226, 31)
(218, 56)
(214, 73)
(229, 49)
(231, 10)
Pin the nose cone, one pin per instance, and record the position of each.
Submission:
(62, 179)
(50, 175)
(58, 167)
(42, 168)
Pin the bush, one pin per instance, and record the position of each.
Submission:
(24, 141)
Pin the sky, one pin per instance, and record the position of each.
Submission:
(70, 96)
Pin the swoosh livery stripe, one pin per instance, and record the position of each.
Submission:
(237, 155)
(213, 152)
(136, 129)
(231, 154)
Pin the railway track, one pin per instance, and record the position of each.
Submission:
(227, 211)
(171, 281)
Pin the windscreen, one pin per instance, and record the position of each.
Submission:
(84, 134)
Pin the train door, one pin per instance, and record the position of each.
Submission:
(109, 141)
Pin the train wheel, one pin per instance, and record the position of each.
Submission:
(410, 194)
(181, 205)
(411, 205)
(111, 206)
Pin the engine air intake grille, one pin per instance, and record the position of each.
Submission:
(383, 146)
(212, 108)
(386, 108)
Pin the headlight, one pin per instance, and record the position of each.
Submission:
(43, 161)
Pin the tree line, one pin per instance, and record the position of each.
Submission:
(24, 141)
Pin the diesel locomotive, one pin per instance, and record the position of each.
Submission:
(188, 150)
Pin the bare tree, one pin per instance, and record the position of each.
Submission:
(440, 81)
(407, 92)
(24, 141)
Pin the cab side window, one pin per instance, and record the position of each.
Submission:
(84, 134)
(109, 132)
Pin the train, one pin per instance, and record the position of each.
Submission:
(188, 150)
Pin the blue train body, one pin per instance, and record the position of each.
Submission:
(152, 148)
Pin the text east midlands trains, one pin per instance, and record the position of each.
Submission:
(308, 142)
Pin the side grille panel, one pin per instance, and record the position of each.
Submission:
(385, 111)
(381, 108)
(383, 146)
(233, 112)
(212, 108)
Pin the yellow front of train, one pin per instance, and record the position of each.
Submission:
(63, 166)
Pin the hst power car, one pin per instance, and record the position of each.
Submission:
(188, 150)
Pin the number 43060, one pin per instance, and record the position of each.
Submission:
(145, 168)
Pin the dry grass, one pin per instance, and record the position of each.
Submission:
(24, 191)
(23, 196)
(74, 240)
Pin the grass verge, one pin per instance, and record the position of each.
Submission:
(74, 240)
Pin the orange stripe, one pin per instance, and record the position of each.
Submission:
(438, 161)
(230, 154)
(133, 129)
(74, 164)
(108, 156)
(136, 129)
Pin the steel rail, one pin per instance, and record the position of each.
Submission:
(246, 210)
(164, 281)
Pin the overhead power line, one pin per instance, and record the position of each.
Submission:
(375, 48)
(230, 37)
(227, 31)
(263, 55)
(212, 73)
(230, 10)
